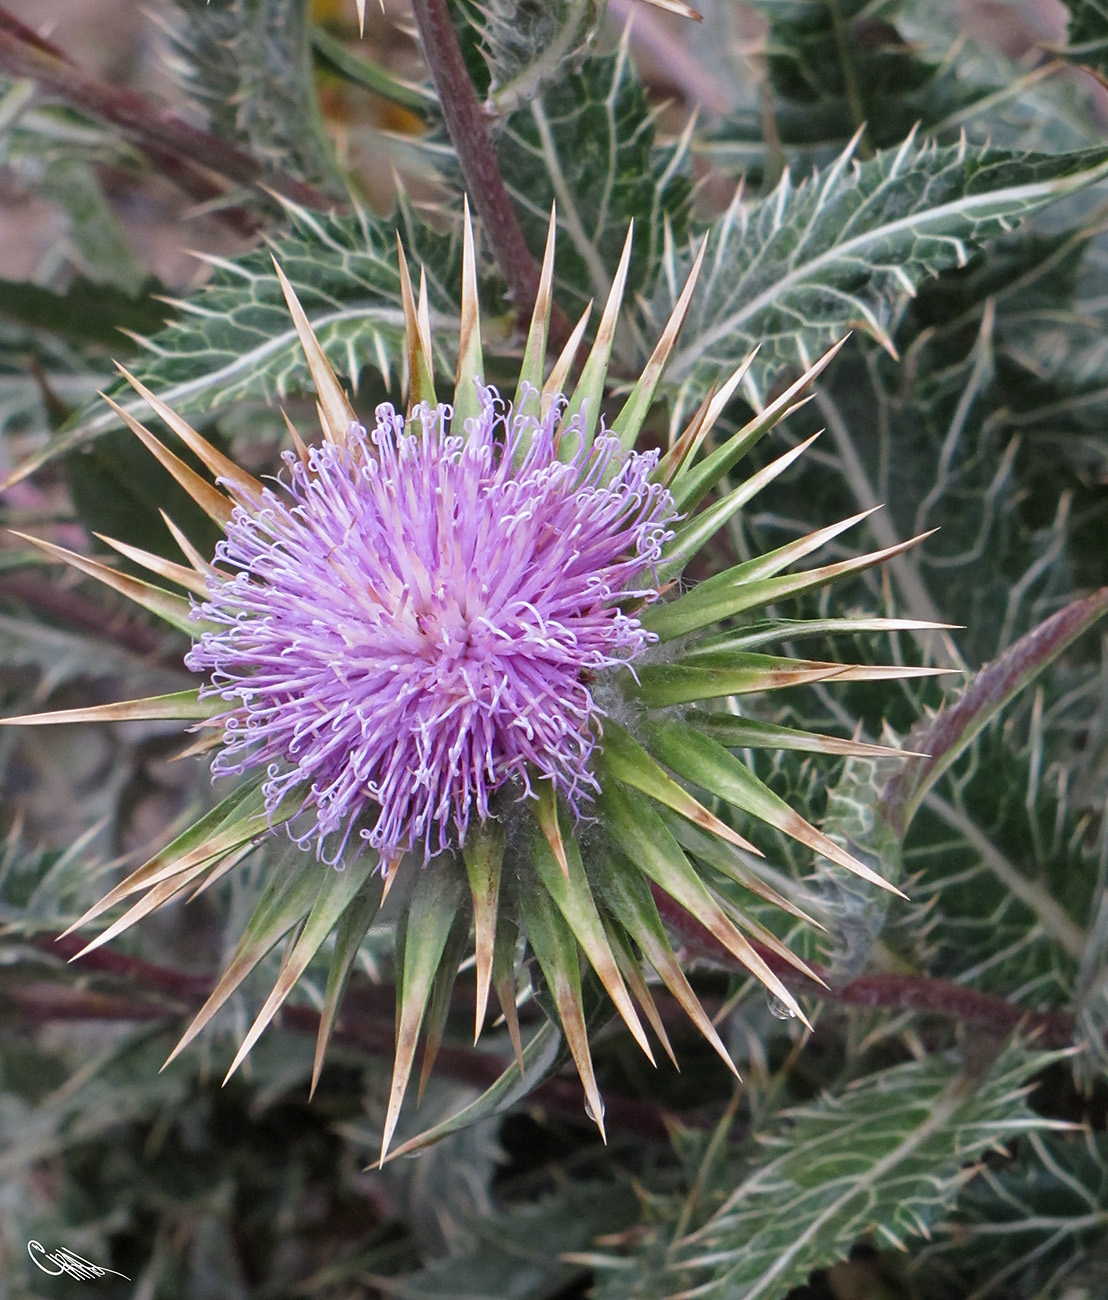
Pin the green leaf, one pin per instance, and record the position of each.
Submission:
(942, 739)
(1023, 1229)
(843, 250)
(528, 46)
(96, 244)
(884, 1158)
(855, 910)
(1087, 32)
(833, 66)
(235, 340)
(587, 145)
(87, 314)
(1005, 872)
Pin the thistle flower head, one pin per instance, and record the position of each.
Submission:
(413, 628)
(415, 616)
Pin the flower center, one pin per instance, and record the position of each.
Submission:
(413, 624)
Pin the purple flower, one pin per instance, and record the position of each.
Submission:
(414, 620)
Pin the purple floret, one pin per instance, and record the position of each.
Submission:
(412, 622)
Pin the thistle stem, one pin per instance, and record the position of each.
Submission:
(887, 991)
(76, 611)
(23, 53)
(465, 123)
(369, 1028)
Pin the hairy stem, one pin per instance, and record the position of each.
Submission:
(888, 991)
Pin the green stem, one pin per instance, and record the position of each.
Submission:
(850, 80)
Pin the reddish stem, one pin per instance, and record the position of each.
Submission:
(891, 992)
(465, 122)
(77, 611)
(23, 53)
(358, 1026)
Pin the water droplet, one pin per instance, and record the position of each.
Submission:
(778, 1009)
(589, 1110)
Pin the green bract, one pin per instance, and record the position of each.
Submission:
(531, 889)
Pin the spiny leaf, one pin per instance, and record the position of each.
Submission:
(644, 838)
(203, 840)
(556, 951)
(244, 485)
(842, 250)
(589, 389)
(737, 590)
(337, 411)
(285, 902)
(213, 502)
(766, 631)
(693, 534)
(180, 706)
(471, 365)
(1032, 1226)
(694, 479)
(711, 676)
(627, 894)
(663, 685)
(173, 609)
(438, 1008)
(349, 933)
(157, 564)
(884, 1157)
(570, 891)
(629, 421)
(532, 369)
(625, 760)
(750, 733)
(483, 855)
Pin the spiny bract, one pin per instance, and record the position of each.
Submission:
(408, 645)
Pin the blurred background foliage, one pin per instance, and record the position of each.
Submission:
(921, 175)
